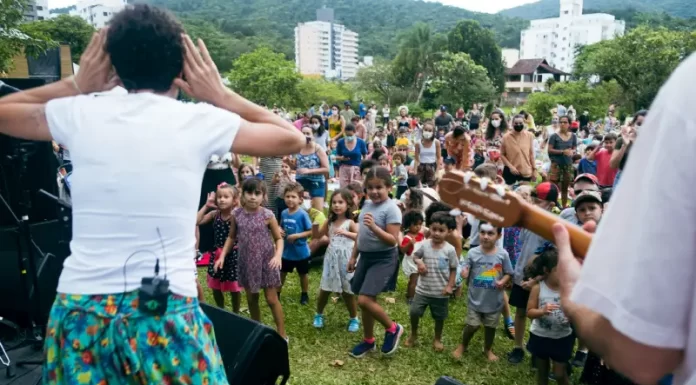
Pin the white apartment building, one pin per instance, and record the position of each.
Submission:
(36, 10)
(98, 12)
(325, 48)
(556, 39)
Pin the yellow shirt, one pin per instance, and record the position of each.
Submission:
(402, 142)
(317, 217)
(334, 127)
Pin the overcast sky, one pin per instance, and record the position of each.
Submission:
(490, 6)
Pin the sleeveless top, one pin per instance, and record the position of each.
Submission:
(427, 154)
(310, 161)
(334, 127)
(404, 123)
(555, 325)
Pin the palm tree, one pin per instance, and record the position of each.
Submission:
(419, 49)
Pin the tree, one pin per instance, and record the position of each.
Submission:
(12, 40)
(640, 61)
(379, 79)
(312, 90)
(461, 82)
(583, 96)
(419, 50)
(64, 29)
(469, 37)
(265, 76)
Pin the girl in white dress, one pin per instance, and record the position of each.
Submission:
(342, 232)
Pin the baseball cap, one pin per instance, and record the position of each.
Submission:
(587, 177)
(450, 160)
(588, 196)
(546, 191)
(443, 108)
(346, 103)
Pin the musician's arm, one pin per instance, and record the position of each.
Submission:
(23, 114)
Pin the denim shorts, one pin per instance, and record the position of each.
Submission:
(316, 189)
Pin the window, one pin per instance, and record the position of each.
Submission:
(105, 14)
(40, 17)
(566, 12)
(39, 8)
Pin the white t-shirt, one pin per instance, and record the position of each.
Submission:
(138, 165)
(641, 267)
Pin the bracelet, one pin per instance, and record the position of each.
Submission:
(74, 82)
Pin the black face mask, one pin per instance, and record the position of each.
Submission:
(518, 127)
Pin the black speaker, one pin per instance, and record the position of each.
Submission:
(50, 252)
(253, 354)
(444, 380)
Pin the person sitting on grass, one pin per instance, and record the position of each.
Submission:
(490, 271)
(437, 268)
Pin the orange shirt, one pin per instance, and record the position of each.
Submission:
(517, 148)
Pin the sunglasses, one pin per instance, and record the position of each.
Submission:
(580, 191)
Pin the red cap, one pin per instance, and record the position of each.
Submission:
(546, 191)
(590, 177)
(575, 124)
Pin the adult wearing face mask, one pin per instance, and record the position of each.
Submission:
(457, 146)
(350, 151)
(312, 168)
(321, 136)
(497, 126)
(337, 123)
(517, 154)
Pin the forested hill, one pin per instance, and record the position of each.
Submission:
(550, 8)
(378, 22)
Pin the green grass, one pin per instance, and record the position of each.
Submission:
(313, 351)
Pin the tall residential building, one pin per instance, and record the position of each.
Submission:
(325, 48)
(556, 39)
(98, 12)
(36, 10)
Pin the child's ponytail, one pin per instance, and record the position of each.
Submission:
(544, 262)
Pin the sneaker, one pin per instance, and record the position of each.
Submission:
(353, 325)
(391, 340)
(361, 349)
(516, 356)
(304, 299)
(580, 359)
(318, 321)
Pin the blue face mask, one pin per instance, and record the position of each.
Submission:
(350, 138)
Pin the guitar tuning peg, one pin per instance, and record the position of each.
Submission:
(484, 183)
(467, 176)
(500, 190)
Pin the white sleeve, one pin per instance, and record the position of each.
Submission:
(218, 129)
(62, 116)
(641, 267)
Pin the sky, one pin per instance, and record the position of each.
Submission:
(489, 6)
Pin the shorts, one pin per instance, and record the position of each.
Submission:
(475, 318)
(100, 339)
(554, 349)
(518, 297)
(561, 173)
(376, 272)
(511, 179)
(439, 307)
(288, 266)
(315, 188)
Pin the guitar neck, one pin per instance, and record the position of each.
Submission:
(541, 222)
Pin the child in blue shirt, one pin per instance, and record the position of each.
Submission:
(296, 227)
(587, 166)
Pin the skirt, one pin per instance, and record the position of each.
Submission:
(211, 179)
(391, 141)
(376, 272)
(226, 278)
(106, 339)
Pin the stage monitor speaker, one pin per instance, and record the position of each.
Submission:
(16, 304)
(41, 170)
(444, 380)
(253, 354)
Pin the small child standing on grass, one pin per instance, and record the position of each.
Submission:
(411, 241)
(342, 232)
(400, 174)
(437, 265)
(296, 227)
(378, 238)
(551, 336)
(490, 271)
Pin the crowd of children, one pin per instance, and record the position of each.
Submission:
(390, 221)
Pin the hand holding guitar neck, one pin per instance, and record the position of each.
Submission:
(494, 204)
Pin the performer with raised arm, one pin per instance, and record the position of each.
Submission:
(126, 309)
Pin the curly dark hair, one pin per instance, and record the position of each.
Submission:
(146, 47)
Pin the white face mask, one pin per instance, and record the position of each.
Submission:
(307, 204)
(427, 134)
(316, 126)
(495, 123)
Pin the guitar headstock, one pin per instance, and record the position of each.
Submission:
(482, 198)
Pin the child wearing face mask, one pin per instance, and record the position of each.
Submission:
(428, 155)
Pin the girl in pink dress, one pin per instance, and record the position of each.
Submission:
(256, 229)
